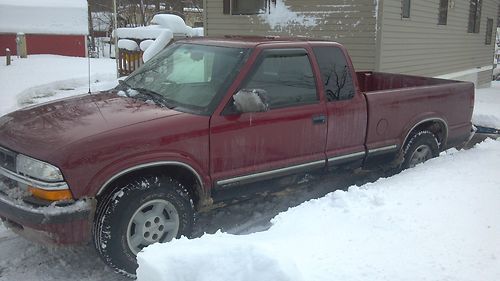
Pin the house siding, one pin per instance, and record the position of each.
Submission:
(420, 46)
(349, 22)
(484, 78)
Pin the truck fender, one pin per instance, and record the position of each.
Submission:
(420, 120)
(129, 164)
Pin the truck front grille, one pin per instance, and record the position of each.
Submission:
(7, 159)
(12, 188)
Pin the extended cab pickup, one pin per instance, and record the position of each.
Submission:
(204, 121)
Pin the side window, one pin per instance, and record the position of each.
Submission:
(286, 80)
(246, 7)
(443, 12)
(405, 8)
(335, 73)
(489, 31)
(474, 16)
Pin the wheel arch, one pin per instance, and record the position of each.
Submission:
(436, 125)
(180, 171)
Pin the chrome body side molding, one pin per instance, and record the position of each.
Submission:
(147, 165)
(271, 173)
(382, 149)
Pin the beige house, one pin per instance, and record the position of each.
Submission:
(441, 38)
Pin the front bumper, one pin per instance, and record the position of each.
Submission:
(68, 224)
(59, 222)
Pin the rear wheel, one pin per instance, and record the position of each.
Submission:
(145, 211)
(421, 147)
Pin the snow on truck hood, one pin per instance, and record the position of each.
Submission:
(40, 130)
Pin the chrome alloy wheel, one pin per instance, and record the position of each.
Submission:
(155, 221)
(420, 155)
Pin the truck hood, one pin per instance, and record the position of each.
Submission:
(40, 130)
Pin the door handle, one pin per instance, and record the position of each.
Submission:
(319, 119)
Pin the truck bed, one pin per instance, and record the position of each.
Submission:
(377, 81)
(397, 103)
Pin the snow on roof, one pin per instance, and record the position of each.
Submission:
(44, 17)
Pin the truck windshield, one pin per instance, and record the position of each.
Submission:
(188, 77)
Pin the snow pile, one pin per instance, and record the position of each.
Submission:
(145, 44)
(437, 221)
(62, 76)
(159, 23)
(44, 17)
(487, 106)
(198, 32)
(254, 262)
(173, 22)
(158, 45)
(142, 32)
(250, 100)
(281, 16)
(128, 44)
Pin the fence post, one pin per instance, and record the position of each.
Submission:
(21, 45)
(7, 56)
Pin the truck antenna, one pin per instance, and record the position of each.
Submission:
(88, 59)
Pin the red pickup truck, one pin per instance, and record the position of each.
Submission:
(205, 121)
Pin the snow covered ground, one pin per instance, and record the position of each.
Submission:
(41, 78)
(487, 106)
(439, 221)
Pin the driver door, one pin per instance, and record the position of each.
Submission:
(290, 137)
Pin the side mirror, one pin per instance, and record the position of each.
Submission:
(251, 100)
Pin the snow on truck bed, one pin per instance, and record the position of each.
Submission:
(438, 221)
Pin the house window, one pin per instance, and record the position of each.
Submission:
(406, 8)
(489, 31)
(246, 7)
(443, 12)
(474, 16)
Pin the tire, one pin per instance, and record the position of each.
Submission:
(422, 146)
(147, 210)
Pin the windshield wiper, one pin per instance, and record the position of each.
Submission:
(154, 96)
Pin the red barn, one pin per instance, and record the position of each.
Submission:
(56, 27)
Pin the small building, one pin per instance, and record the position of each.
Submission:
(57, 27)
(439, 38)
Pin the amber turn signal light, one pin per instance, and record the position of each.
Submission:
(51, 195)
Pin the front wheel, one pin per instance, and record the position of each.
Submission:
(145, 211)
(421, 147)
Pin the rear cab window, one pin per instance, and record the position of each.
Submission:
(335, 73)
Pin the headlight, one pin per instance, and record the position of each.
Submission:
(37, 169)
